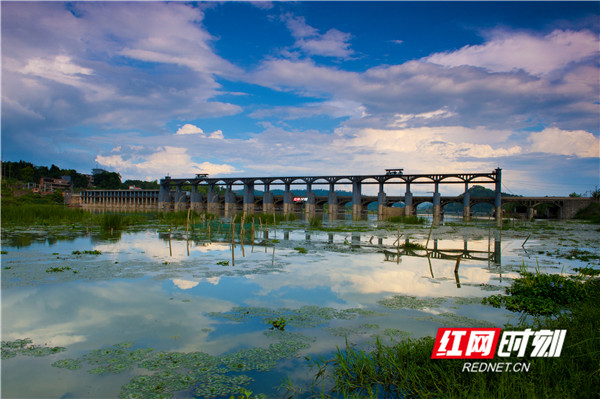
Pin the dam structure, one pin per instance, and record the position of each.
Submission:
(230, 195)
(217, 195)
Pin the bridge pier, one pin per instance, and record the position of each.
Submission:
(230, 202)
(268, 203)
(356, 200)
(311, 203)
(530, 212)
(249, 197)
(180, 199)
(408, 202)
(164, 195)
(332, 203)
(437, 207)
(196, 204)
(380, 202)
(212, 200)
(467, 204)
(288, 200)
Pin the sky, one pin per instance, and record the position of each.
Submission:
(150, 89)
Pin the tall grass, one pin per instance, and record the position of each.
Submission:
(315, 222)
(407, 370)
(43, 214)
(407, 219)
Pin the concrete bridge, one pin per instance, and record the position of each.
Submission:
(216, 195)
(335, 203)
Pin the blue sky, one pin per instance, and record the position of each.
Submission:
(306, 88)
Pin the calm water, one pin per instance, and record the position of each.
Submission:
(178, 296)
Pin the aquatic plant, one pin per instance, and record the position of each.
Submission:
(278, 323)
(301, 250)
(405, 369)
(453, 320)
(87, 252)
(57, 269)
(315, 222)
(407, 219)
(223, 263)
(541, 294)
(306, 316)
(411, 302)
(25, 347)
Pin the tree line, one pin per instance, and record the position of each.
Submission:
(26, 172)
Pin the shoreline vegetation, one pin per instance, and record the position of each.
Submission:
(406, 369)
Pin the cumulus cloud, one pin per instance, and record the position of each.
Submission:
(195, 130)
(332, 43)
(68, 76)
(190, 129)
(538, 55)
(174, 161)
(576, 143)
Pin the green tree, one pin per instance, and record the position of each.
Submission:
(107, 180)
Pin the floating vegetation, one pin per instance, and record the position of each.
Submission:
(301, 250)
(26, 347)
(454, 320)
(490, 287)
(345, 331)
(3, 252)
(407, 219)
(223, 263)
(94, 252)
(115, 359)
(461, 301)
(57, 269)
(411, 302)
(278, 323)
(220, 385)
(206, 375)
(70, 364)
(396, 333)
(306, 316)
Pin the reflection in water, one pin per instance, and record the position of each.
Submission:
(159, 289)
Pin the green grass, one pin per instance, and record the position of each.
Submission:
(43, 214)
(315, 222)
(407, 219)
(406, 369)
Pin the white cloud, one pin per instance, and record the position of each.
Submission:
(577, 143)
(402, 119)
(332, 43)
(507, 51)
(217, 134)
(195, 130)
(174, 161)
(190, 129)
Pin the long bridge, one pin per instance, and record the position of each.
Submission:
(216, 195)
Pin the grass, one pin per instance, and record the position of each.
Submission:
(315, 222)
(406, 369)
(407, 219)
